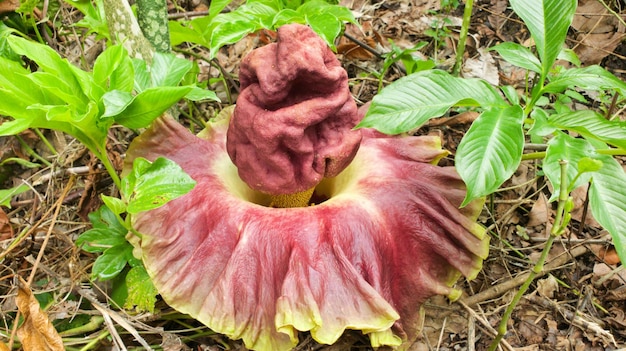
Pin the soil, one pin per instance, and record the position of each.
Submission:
(577, 303)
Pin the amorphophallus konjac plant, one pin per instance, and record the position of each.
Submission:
(298, 221)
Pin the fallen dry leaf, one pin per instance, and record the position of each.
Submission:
(6, 231)
(37, 332)
(3, 346)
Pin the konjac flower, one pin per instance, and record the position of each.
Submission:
(382, 233)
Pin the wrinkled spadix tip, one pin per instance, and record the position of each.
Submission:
(292, 125)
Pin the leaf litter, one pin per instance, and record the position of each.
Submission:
(578, 305)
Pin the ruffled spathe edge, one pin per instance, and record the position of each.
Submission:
(390, 236)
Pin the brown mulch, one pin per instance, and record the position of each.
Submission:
(577, 303)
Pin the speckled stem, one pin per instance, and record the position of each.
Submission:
(300, 199)
(124, 29)
(152, 17)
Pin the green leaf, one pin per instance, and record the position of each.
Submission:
(199, 94)
(150, 104)
(587, 78)
(570, 56)
(607, 201)
(588, 164)
(112, 261)
(591, 124)
(216, 7)
(143, 80)
(572, 150)
(116, 205)
(229, 33)
(115, 102)
(107, 231)
(99, 240)
(287, 16)
(518, 55)
(180, 33)
(151, 185)
(7, 194)
(548, 22)
(410, 101)
(491, 151)
(326, 25)
(50, 61)
(141, 292)
(114, 67)
(167, 70)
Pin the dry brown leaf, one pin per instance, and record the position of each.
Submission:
(9, 5)
(6, 231)
(600, 32)
(484, 66)
(3, 346)
(548, 286)
(37, 332)
(540, 213)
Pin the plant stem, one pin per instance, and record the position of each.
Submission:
(534, 155)
(104, 158)
(557, 229)
(32, 152)
(467, 16)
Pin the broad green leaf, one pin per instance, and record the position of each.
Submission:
(566, 148)
(99, 240)
(511, 94)
(50, 61)
(326, 25)
(541, 127)
(112, 261)
(341, 12)
(587, 78)
(591, 124)
(518, 55)
(229, 33)
(150, 104)
(14, 127)
(167, 70)
(607, 201)
(141, 292)
(199, 94)
(491, 151)
(570, 56)
(287, 16)
(115, 102)
(116, 205)
(113, 69)
(107, 231)
(588, 164)
(7, 194)
(260, 11)
(410, 101)
(143, 80)
(216, 7)
(548, 22)
(151, 185)
(56, 86)
(180, 33)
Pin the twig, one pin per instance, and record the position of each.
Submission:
(576, 318)
(506, 286)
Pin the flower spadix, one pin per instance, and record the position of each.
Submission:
(382, 233)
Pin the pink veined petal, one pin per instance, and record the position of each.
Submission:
(389, 236)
